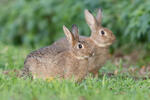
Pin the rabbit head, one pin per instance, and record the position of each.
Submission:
(79, 48)
(101, 36)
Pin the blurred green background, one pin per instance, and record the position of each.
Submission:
(39, 22)
(27, 25)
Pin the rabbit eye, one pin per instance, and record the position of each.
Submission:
(80, 46)
(102, 32)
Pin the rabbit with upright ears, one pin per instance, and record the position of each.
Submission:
(66, 64)
(101, 38)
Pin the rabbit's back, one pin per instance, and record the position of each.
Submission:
(43, 66)
(39, 60)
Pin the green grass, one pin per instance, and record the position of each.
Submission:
(118, 87)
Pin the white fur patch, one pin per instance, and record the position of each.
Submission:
(82, 57)
(102, 45)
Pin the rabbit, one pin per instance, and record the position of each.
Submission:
(101, 38)
(72, 62)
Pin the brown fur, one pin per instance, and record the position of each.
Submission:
(100, 42)
(65, 63)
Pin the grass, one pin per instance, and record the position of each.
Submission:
(118, 87)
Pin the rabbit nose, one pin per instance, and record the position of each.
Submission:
(92, 54)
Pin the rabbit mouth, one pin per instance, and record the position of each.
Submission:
(102, 44)
(82, 57)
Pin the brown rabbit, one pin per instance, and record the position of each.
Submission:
(101, 38)
(66, 64)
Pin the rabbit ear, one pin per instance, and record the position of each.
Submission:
(99, 16)
(90, 19)
(69, 35)
(75, 31)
